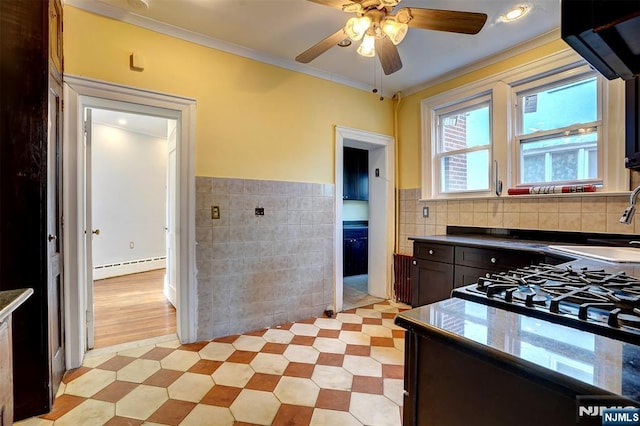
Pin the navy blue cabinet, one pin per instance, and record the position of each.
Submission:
(355, 174)
(355, 251)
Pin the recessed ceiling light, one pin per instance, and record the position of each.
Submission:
(344, 43)
(139, 4)
(515, 13)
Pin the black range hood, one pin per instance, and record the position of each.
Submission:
(606, 33)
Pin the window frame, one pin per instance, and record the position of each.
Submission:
(615, 178)
(541, 83)
(439, 153)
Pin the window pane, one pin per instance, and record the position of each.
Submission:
(560, 106)
(465, 172)
(465, 129)
(533, 168)
(560, 158)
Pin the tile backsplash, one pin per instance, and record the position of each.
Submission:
(588, 213)
(259, 271)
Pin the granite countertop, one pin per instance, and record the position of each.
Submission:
(589, 364)
(541, 245)
(11, 299)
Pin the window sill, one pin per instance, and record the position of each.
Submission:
(531, 196)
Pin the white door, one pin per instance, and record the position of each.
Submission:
(170, 229)
(55, 289)
(89, 232)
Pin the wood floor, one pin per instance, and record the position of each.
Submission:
(131, 307)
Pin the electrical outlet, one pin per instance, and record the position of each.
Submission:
(215, 212)
(259, 211)
(131, 245)
(425, 211)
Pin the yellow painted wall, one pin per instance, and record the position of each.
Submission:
(253, 120)
(409, 120)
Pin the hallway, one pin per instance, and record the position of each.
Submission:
(130, 308)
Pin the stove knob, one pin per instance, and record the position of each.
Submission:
(494, 260)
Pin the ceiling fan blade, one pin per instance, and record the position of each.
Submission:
(331, 3)
(446, 20)
(388, 54)
(322, 46)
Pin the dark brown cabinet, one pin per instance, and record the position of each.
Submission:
(431, 273)
(439, 268)
(6, 375)
(30, 195)
(355, 174)
(632, 123)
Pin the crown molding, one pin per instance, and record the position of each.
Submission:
(541, 40)
(105, 9)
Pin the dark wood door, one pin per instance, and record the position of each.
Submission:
(54, 236)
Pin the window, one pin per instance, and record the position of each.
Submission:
(558, 133)
(463, 146)
(554, 121)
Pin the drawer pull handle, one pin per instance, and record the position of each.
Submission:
(430, 251)
(494, 260)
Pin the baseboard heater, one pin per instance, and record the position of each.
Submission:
(128, 267)
(402, 275)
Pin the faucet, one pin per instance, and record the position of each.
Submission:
(627, 215)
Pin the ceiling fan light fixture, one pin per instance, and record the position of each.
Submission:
(368, 46)
(394, 30)
(356, 27)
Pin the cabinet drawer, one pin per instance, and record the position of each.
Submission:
(465, 275)
(494, 260)
(434, 252)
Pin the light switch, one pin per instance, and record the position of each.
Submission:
(215, 212)
(425, 211)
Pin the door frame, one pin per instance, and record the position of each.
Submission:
(80, 92)
(381, 150)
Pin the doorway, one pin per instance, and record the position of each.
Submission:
(82, 94)
(131, 186)
(362, 289)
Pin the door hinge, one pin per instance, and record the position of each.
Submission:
(84, 127)
(62, 105)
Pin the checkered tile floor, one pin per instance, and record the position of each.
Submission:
(342, 371)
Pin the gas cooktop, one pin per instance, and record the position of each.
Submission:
(591, 300)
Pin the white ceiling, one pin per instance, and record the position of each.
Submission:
(156, 127)
(276, 31)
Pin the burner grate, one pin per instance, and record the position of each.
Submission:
(577, 297)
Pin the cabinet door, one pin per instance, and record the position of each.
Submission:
(360, 253)
(6, 373)
(349, 179)
(430, 281)
(355, 174)
(362, 175)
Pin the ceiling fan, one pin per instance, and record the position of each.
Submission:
(381, 28)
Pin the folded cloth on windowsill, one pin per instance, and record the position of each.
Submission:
(551, 189)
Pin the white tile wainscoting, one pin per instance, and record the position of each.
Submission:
(259, 271)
